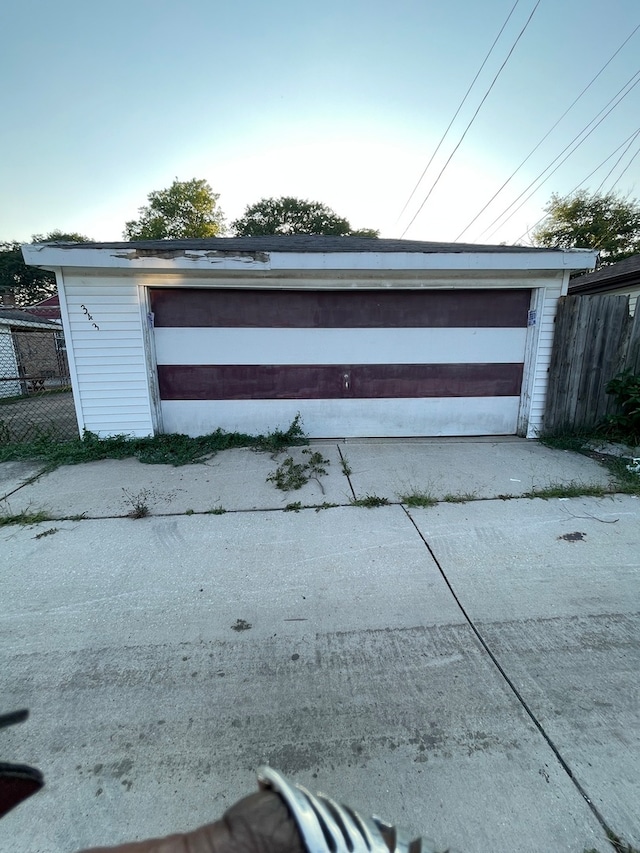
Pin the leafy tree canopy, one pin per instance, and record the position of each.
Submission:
(607, 222)
(287, 215)
(185, 209)
(28, 285)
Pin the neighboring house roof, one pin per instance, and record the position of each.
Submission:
(611, 277)
(47, 308)
(304, 243)
(16, 317)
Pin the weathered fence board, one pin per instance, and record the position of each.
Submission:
(595, 338)
(633, 351)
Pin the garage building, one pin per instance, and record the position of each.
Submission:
(362, 337)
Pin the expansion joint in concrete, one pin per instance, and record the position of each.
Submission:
(525, 706)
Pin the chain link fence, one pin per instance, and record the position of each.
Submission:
(35, 386)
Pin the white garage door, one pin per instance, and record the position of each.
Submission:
(353, 363)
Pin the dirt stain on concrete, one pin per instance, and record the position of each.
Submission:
(576, 536)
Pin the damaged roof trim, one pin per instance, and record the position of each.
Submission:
(171, 257)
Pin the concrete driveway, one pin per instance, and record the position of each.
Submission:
(467, 670)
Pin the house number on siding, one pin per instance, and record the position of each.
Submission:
(90, 318)
(532, 317)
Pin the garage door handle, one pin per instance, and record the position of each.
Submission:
(346, 381)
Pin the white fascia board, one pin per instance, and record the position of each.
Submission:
(50, 256)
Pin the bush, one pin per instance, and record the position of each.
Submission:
(625, 387)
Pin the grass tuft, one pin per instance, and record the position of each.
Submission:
(217, 510)
(25, 518)
(462, 498)
(417, 498)
(568, 490)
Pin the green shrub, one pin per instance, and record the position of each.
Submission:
(625, 387)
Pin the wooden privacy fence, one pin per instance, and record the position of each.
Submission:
(595, 338)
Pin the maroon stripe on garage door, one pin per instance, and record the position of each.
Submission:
(345, 309)
(330, 381)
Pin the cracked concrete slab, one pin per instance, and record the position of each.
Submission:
(482, 467)
(13, 476)
(233, 480)
(554, 588)
(358, 676)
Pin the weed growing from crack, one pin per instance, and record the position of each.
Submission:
(298, 505)
(463, 498)
(568, 490)
(139, 503)
(290, 475)
(346, 468)
(416, 498)
(25, 517)
(217, 510)
(369, 501)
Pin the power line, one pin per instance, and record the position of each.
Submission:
(455, 115)
(533, 150)
(576, 137)
(618, 160)
(584, 180)
(625, 168)
(493, 82)
(553, 171)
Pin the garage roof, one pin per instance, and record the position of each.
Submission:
(303, 253)
(304, 243)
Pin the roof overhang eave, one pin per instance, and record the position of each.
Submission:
(53, 257)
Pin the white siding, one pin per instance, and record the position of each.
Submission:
(546, 321)
(8, 365)
(632, 293)
(110, 383)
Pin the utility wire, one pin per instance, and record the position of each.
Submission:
(612, 169)
(625, 169)
(553, 171)
(466, 95)
(576, 137)
(583, 181)
(493, 82)
(533, 150)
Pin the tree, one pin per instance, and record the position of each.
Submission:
(607, 222)
(26, 285)
(185, 209)
(287, 215)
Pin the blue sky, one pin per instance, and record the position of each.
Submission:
(341, 102)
